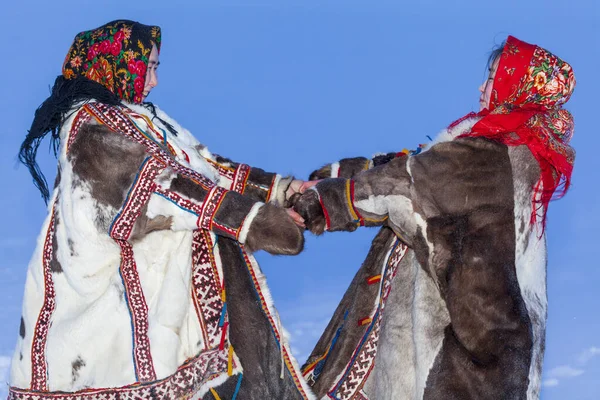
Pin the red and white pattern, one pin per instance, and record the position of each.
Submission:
(137, 198)
(121, 231)
(207, 289)
(363, 360)
(210, 207)
(240, 178)
(81, 118)
(138, 308)
(190, 378)
(39, 378)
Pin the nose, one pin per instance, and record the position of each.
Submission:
(153, 79)
(482, 87)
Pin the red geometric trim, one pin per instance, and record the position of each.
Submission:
(81, 118)
(137, 198)
(206, 287)
(210, 206)
(185, 382)
(240, 178)
(136, 301)
(38, 349)
(363, 359)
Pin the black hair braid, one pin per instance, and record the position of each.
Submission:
(50, 116)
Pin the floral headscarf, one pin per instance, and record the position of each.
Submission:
(529, 89)
(108, 65)
(114, 55)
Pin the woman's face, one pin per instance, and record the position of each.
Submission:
(151, 76)
(486, 87)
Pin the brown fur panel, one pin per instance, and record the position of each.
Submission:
(107, 161)
(274, 231)
(465, 191)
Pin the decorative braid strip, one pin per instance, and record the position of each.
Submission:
(363, 360)
(210, 206)
(138, 309)
(240, 178)
(38, 349)
(120, 231)
(138, 196)
(206, 287)
(188, 380)
(81, 118)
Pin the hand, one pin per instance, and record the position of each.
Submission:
(298, 220)
(309, 207)
(296, 187)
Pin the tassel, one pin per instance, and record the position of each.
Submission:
(237, 387)
(214, 393)
(230, 361)
(365, 321)
(373, 279)
(223, 312)
(223, 335)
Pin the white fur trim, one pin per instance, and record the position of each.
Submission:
(248, 222)
(279, 189)
(335, 170)
(447, 135)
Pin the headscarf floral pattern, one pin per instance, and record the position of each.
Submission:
(530, 87)
(114, 55)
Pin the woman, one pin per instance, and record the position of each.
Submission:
(142, 283)
(465, 314)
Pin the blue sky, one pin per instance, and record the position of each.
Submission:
(290, 85)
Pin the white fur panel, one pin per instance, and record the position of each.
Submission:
(447, 135)
(396, 349)
(248, 222)
(530, 259)
(430, 317)
(278, 191)
(335, 170)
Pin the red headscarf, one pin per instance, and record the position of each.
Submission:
(529, 89)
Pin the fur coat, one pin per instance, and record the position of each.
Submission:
(143, 284)
(451, 300)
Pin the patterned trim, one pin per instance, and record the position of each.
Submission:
(210, 206)
(120, 230)
(138, 310)
(206, 288)
(136, 199)
(81, 118)
(189, 379)
(39, 377)
(226, 172)
(240, 178)
(352, 380)
(285, 352)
